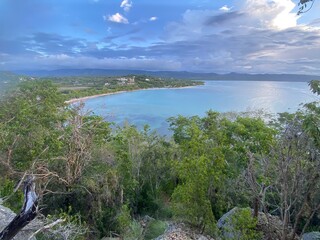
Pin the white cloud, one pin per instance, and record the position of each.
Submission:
(225, 8)
(153, 19)
(272, 14)
(126, 5)
(118, 18)
(263, 34)
(285, 18)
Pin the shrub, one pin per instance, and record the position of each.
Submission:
(244, 225)
(154, 229)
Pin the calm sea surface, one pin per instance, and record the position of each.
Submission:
(154, 106)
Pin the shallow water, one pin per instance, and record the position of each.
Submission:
(154, 106)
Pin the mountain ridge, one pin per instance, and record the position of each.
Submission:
(173, 74)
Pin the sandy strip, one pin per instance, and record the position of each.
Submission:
(74, 100)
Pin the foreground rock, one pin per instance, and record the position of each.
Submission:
(180, 231)
(6, 216)
(270, 226)
(311, 236)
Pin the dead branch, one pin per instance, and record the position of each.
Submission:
(27, 214)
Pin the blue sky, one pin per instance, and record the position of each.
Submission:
(250, 36)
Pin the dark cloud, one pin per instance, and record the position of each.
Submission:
(224, 18)
(137, 39)
(126, 34)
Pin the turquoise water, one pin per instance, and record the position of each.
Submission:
(154, 107)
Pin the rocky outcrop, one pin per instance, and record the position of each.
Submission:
(225, 225)
(180, 231)
(270, 226)
(311, 236)
(6, 216)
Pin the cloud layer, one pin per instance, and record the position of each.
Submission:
(255, 36)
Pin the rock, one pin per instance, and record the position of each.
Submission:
(225, 225)
(202, 238)
(110, 238)
(311, 236)
(180, 231)
(269, 225)
(226, 218)
(145, 221)
(6, 215)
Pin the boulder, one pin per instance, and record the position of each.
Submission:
(6, 215)
(311, 236)
(225, 225)
(270, 226)
(181, 231)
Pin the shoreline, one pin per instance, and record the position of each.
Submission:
(81, 99)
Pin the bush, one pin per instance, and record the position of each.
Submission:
(14, 200)
(154, 229)
(124, 220)
(243, 225)
(135, 231)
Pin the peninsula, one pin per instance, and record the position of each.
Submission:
(84, 87)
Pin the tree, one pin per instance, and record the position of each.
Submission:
(305, 6)
(199, 171)
(287, 179)
(213, 153)
(30, 118)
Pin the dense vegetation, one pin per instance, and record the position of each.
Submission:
(81, 86)
(9, 81)
(104, 181)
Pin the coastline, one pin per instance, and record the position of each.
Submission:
(81, 99)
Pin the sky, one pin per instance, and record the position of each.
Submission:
(248, 36)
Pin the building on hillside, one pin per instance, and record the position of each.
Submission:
(126, 81)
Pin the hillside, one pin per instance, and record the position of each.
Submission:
(8, 80)
(172, 74)
(83, 86)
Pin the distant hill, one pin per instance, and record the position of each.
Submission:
(8, 80)
(172, 74)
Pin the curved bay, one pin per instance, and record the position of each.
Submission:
(155, 106)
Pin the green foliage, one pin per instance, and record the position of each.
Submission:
(191, 205)
(128, 228)
(13, 201)
(244, 225)
(142, 161)
(135, 231)
(124, 219)
(154, 229)
(214, 151)
(200, 171)
(315, 86)
(30, 117)
(76, 87)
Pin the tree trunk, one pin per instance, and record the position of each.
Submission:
(256, 207)
(27, 213)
